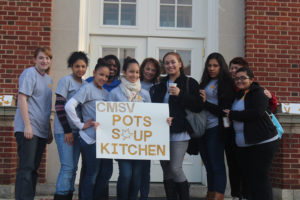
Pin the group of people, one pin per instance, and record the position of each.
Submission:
(250, 140)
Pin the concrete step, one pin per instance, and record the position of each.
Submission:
(46, 191)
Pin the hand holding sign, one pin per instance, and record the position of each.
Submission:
(133, 130)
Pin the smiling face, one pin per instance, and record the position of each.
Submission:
(101, 76)
(149, 72)
(242, 81)
(172, 65)
(42, 62)
(79, 68)
(113, 68)
(213, 68)
(132, 73)
(233, 68)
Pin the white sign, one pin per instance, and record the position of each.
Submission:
(291, 108)
(131, 130)
(6, 100)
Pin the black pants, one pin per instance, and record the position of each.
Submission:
(237, 184)
(30, 154)
(256, 162)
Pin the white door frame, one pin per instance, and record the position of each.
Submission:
(211, 40)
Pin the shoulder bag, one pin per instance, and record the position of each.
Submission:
(276, 123)
(196, 120)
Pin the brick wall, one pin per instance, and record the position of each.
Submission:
(24, 25)
(285, 173)
(272, 32)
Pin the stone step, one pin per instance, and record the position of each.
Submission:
(46, 191)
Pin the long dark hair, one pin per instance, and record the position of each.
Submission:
(223, 76)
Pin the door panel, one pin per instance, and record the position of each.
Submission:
(110, 44)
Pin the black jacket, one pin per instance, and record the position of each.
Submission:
(226, 94)
(177, 104)
(257, 124)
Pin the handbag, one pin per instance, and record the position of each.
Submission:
(196, 120)
(276, 123)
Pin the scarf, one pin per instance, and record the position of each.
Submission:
(131, 90)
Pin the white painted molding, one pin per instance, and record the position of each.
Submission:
(212, 44)
(83, 36)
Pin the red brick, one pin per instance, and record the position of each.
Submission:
(17, 21)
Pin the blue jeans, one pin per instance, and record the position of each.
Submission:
(212, 153)
(97, 174)
(129, 181)
(30, 152)
(145, 182)
(68, 155)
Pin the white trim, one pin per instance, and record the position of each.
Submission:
(83, 32)
(212, 27)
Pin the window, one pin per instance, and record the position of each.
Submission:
(176, 13)
(185, 56)
(119, 12)
(121, 53)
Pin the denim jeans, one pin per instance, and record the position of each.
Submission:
(145, 182)
(172, 169)
(129, 181)
(30, 152)
(212, 154)
(68, 155)
(97, 174)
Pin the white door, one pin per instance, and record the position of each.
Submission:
(140, 48)
(121, 47)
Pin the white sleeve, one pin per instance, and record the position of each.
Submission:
(70, 108)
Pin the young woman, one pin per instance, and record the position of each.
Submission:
(113, 79)
(173, 90)
(237, 184)
(92, 186)
(129, 90)
(65, 132)
(255, 134)
(112, 82)
(239, 62)
(32, 122)
(114, 74)
(149, 73)
(219, 91)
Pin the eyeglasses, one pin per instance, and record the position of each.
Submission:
(242, 78)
